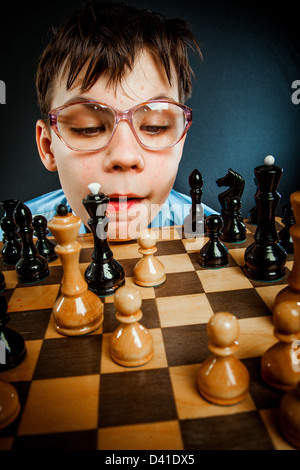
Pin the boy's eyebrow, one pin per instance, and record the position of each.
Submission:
(75, 99)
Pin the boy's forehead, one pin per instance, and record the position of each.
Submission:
(146, 80)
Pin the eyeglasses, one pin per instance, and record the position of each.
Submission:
(89, 125)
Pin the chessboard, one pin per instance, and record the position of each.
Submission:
(73, 396)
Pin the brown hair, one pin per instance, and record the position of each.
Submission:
(106, 38)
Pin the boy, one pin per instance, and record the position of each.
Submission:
(109, 64)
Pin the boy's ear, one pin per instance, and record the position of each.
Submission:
(43, 141)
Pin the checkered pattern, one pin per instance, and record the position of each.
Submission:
(73, 396)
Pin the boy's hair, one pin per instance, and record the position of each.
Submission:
(106, 37)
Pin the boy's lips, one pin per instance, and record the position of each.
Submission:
(118, 203)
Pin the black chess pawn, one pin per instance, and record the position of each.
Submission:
(194, 221)
(213, 254)
(12, 344)
(265, 259)
(11, 250)
(31, 267)
(234, 229)
(284, 237)
(104, 275)
(45, 246)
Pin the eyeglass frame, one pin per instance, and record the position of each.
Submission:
(120, 116)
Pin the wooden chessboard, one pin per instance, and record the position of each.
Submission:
(73, 396)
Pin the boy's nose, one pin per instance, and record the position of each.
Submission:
(124, 152)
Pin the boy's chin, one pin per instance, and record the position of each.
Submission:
(124, 232)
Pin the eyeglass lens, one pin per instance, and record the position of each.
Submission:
(89, 126)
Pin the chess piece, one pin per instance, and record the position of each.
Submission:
(31, 267)
(9, 404)
(213, 254)
(253, 212)
(284, 236)
(104, 275)
(253, 216)
(45, 246)
(11, 341)
(280, 367)
(289, 416)
(265, 259)
(148, 271)
(77, 311)
(234, 229)
(236, 188)
(194, 221)
(292, 291)
(11, 250)
(131, 343)
(2, 282)
(8, 207)
(223, 379)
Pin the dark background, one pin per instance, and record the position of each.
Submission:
(242, 99)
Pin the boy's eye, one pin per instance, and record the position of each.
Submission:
(88, 131)
(154, 129)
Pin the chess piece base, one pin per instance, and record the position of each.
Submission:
(10, 255)
(104, 279)
(9, 404)
(291, 438)
(222, 401)
(289, 416)
(215, 381)
(149, 271)
(32, 270)
(218, 263)
(152, 283)
(75, 316)
(16, 354)
(126, 350)
(265, 263)
(277, 368)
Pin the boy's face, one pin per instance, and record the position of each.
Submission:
(124, 168)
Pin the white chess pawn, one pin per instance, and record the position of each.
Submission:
(131, 343)
(148, 271)
(223, 379)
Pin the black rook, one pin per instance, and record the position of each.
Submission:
(265, 259)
